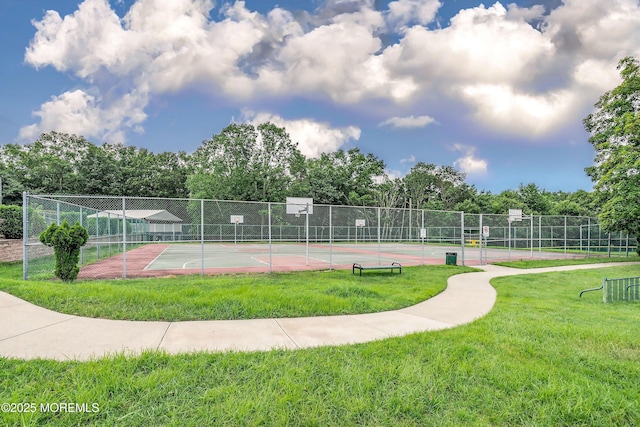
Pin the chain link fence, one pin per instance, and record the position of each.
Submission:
(138, 237)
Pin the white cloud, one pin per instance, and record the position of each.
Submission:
(411, 160)
(410, 122)
(515, 78)
(81, 113)
(469, 163)
(403, 12)
(504, 109)
(313, 138)
(481, 45)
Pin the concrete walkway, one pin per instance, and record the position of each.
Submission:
(29, 332)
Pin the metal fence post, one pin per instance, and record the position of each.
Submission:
(330, 238)
(81, 248)
(540, 236)
(462, 236)
(124, 239)
(25, 236)
(306, 232)
(565, 236)
(589, 237)
(532, 216)
(270, 250)
(202, 237)
(480, 238)
(422, 233)
(627, 246)
(379, 250)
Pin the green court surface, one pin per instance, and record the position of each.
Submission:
(246, 255)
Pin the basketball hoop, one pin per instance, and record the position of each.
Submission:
(237, 219)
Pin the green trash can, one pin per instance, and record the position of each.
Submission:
(452, 258)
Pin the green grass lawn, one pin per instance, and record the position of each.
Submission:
(240, 296)
(541, 357)
(535, 263)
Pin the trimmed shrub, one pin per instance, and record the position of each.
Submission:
(11, 221)
(66, 242)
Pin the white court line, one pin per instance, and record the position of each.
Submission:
(199, 260)
(261, 262)
(154, 260)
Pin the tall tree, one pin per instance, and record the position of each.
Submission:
(245, 163)
(341, 178)
(11, 173)
(435, 187)
(50, 164)
(615, 136)
(537, 201)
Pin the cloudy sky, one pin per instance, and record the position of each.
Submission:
(498, 90)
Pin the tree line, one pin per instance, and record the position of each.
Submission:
(257, 163)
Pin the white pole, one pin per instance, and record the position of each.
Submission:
(462, 236)
(97, 235)
(509, 238)
(25, 236)
(481, 236)
(270, 251)
(379, 236)
(540, 236)
(109, 230)
(306, 214)
(202, 237)
(565, 236)
(330, 240)
(421, 235)
(410, 219)
(531, 235)
(626, 250)
(81, 248)
(589, 237)
(124, 239)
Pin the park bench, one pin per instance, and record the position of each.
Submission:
(393, 266)
(620, 289)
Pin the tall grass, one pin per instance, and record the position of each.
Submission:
(541, 357)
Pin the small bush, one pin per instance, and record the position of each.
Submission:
(11, 222)
(66, 242)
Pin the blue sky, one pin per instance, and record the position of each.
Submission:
(498, 90)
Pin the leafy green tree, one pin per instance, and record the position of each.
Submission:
(508, 199)
(436, 187)
(615, 136)
(59, 163)
(139, 172)
(569, 208)
(390, 193)
(66, 242)
(11, 222)
(245, 163)
(50, 164)
(536, 200)
(340, 178)
(98, 172)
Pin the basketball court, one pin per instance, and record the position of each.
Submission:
(156, 259)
